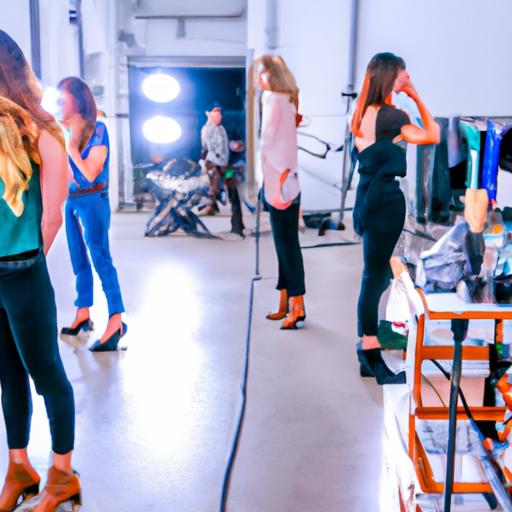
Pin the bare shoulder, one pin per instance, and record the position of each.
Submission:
(52, 152)
(48, 141)
(367, 128)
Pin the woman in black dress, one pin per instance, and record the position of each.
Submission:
(381, 132)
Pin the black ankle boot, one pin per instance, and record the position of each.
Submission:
(373, 365)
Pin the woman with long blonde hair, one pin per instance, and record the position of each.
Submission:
(33, 185)
(281, 189)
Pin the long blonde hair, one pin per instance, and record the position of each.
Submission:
(18, 146)
(280, 78)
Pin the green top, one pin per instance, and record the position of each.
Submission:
(22, 234)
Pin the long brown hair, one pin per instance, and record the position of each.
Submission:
(381, 74)
(280, 78)
(84, 104)
(18, 145)
(19, 84)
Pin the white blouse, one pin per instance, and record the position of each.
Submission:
(278, 149)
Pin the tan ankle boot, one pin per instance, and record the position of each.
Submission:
(297, 313)
(60, 487)
(283, 307)
(19, 486)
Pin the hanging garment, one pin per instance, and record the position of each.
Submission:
(491, 157)
(424, 173)
(456, 150)
(471, 134)
(440, 190)
(433, 180)
(506, 152)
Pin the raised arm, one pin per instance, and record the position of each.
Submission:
(429, 133)
(54, 177)
(91, 166)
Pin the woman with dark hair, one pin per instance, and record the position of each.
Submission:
(281, 188)
(33, 183)
(88, 207)
(380, 131)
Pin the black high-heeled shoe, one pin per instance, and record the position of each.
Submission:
(110, 345)
(372, 365)
(86, 326)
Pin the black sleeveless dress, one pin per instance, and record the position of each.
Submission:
(379, 212)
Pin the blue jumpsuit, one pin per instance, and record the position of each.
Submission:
(87, 225)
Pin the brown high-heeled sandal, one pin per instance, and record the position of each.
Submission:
(297, 313)
(283, 307)
(60, 487)
(19, 487)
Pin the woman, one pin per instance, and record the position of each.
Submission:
(33, 181)
(281, 183)
(379, 211)
(88, 207)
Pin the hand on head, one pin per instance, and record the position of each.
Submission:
(75, 126)
(404, 84)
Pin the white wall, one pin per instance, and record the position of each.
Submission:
(16, 22)
(203, 38)
(59, 42)
(457, 53)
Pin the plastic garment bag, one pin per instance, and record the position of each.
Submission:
(442, 266)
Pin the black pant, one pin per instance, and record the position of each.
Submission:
(237, 224)
(28, 346)
(285, 230)
(381, 233)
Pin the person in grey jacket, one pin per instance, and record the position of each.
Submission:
(215, 153)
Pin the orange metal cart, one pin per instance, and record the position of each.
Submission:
(448, 307)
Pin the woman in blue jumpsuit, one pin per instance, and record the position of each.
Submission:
(88, 212)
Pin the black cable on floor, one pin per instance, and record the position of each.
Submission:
(235, 443)
(327, 244)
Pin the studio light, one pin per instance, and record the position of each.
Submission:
(50, 101)
(161, 87)
(161, 130)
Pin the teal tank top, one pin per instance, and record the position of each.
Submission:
(22, 234)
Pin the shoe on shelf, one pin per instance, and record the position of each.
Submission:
(372, 365)
(110, 344)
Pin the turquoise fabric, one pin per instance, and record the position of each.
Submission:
(22, 234)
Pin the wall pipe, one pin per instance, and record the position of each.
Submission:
(35, 37)
(271, 27)
(81, 58)
(352, 48)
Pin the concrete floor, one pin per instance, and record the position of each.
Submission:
(154, 423)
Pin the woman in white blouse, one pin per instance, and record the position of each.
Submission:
(281, 183)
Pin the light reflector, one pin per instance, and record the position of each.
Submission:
(162, 130)
(161, 87)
